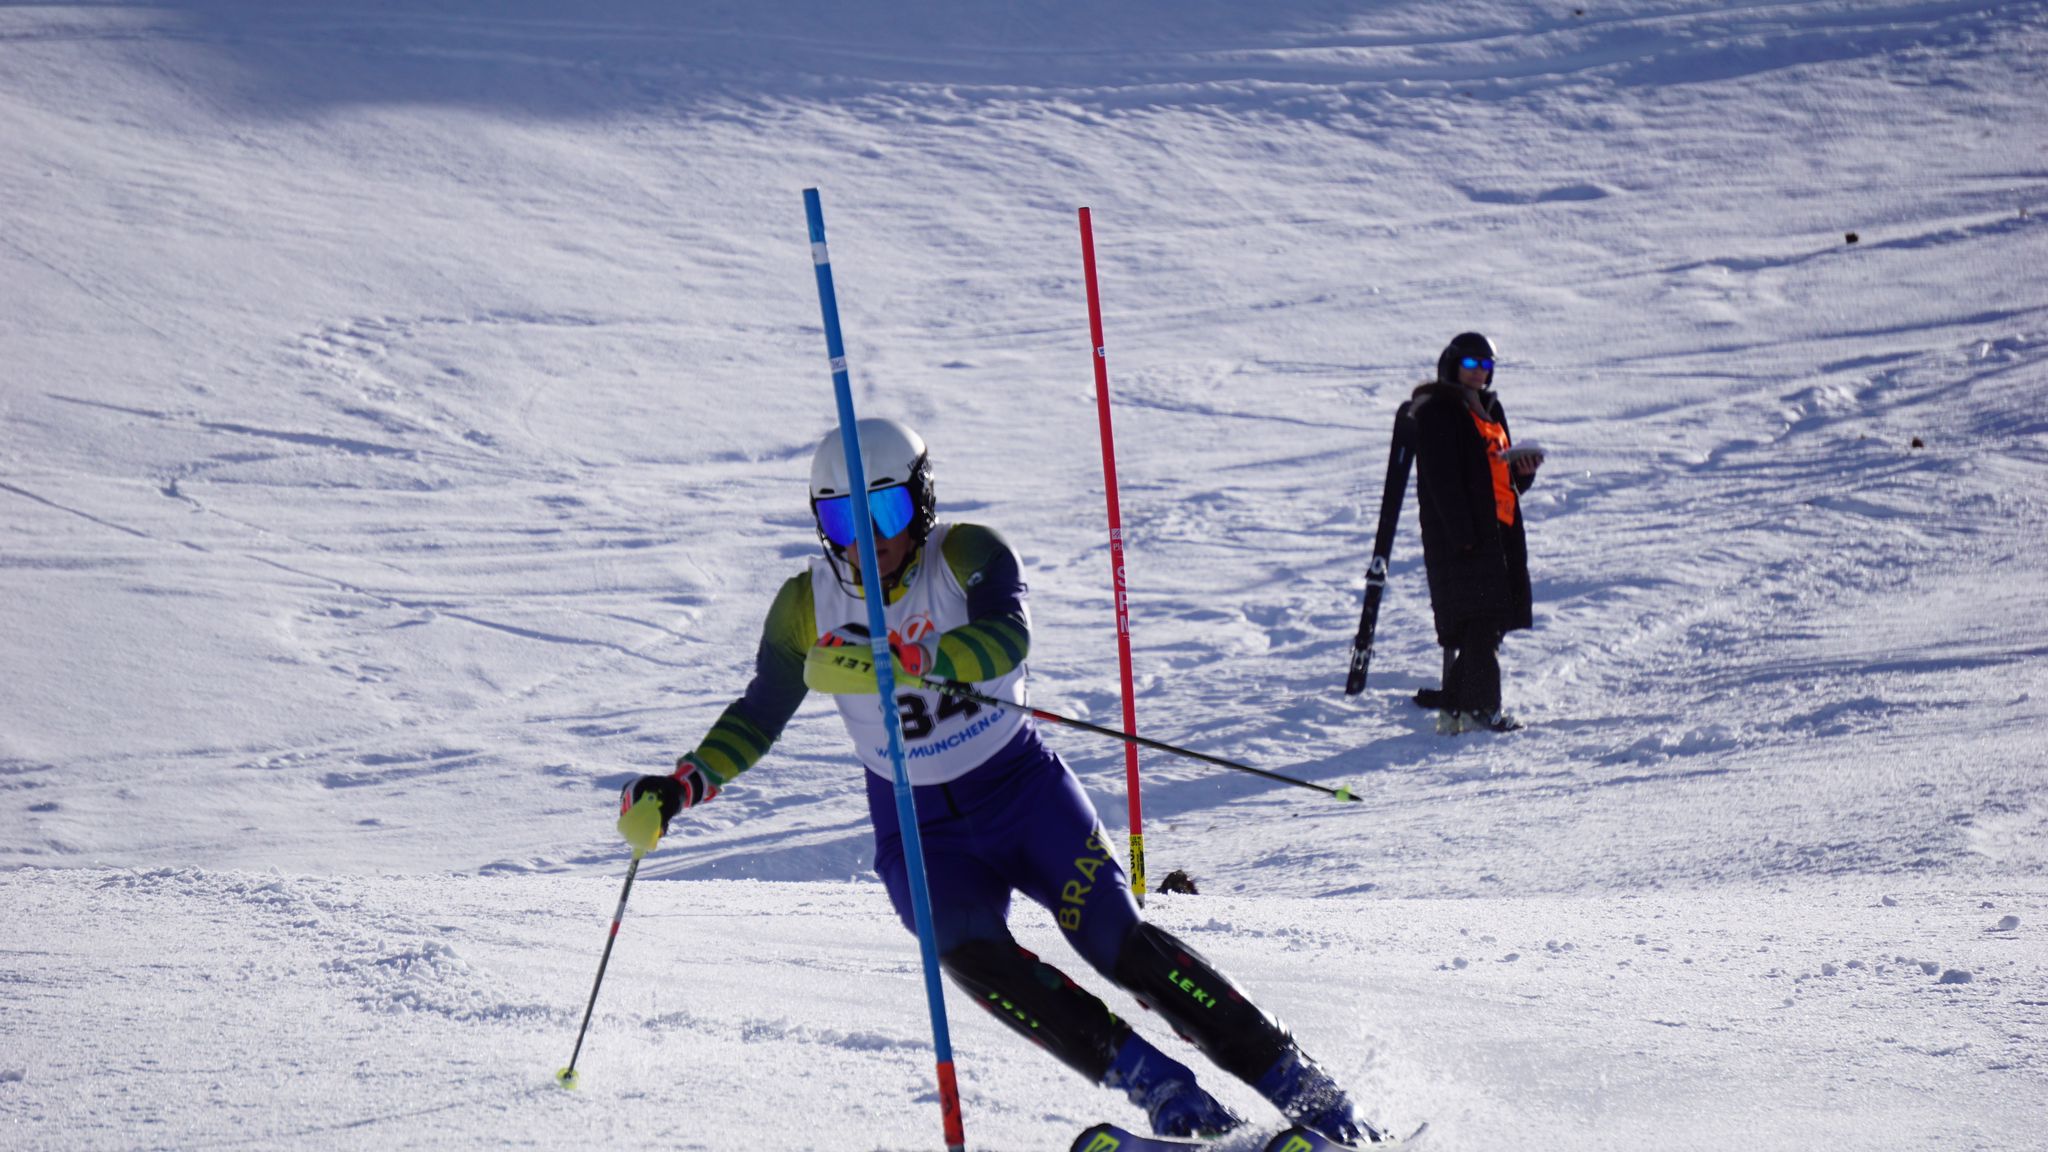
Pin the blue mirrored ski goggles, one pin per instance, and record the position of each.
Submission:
(1469, 362)
(891, 508)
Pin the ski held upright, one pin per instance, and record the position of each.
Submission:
(1400, 460)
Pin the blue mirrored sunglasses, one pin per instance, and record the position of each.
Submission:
(1469, 362)
(891, 508)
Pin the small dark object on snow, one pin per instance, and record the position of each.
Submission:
(1578, 11)
(1178, 881)
(1429, 698)
(1919, 443)
(1851, 237)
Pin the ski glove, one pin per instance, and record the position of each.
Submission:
(842, 664)
(688, 786)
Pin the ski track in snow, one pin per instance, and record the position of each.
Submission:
(403, 428)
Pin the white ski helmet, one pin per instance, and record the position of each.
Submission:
(892, 455)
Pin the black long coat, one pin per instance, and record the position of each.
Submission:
(1478, 567)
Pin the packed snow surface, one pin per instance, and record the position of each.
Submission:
(404, 418)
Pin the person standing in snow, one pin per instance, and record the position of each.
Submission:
(1468, 495)
(998, 812)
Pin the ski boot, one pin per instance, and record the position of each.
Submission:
(1166, 1089)
(1306, 1095)
(1497, 722)
(1450, 723)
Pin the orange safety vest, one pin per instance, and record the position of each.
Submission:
(1496, 438)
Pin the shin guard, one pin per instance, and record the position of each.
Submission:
(1201, 1003)
(1038, 1001)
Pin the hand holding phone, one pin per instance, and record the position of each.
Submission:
(1524, 458)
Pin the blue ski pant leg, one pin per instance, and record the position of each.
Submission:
(970, 895)
(969, 900)
(1021, 822)
(1064, 864)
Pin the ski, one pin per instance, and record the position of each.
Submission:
(1299, 1139)
(1111, 1138)
(1399, 460)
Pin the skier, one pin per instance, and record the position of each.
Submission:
(1469, 483)
(998, 812)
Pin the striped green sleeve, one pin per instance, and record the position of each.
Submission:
(751, 724)
(997, 635)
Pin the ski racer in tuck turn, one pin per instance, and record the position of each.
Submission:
(998, 812)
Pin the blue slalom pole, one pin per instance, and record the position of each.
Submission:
(885, 676)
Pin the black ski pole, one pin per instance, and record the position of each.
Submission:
(1399, 459)
(955, 688)
(641, 826)
(567, 1076)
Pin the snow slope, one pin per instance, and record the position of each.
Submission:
(403, 420)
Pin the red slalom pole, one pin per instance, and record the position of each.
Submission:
(1116, 557)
